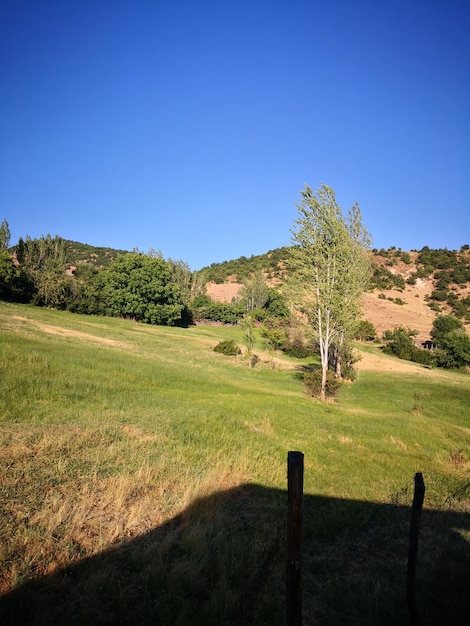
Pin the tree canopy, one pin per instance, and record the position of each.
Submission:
(330, 270)
(141, 287)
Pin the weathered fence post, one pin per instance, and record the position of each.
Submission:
(418, 500)
(295, 493)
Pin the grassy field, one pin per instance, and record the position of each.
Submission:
(143, 481)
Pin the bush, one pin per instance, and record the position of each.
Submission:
(228, 347)
(365, 331)
(406, 258)
(312, 382)
(296, 348)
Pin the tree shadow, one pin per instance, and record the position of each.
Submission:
(223, 559)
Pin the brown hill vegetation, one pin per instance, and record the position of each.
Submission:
(385, 308)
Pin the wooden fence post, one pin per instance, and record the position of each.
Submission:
(418, 500)
(295, 492)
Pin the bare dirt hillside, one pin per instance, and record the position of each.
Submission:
(380, 306)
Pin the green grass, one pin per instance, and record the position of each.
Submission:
(143, 480)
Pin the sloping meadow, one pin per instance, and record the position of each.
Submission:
(143, 480)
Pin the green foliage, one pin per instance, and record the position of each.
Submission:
(13, 281)
(382, 278)
(84, 254)
(456, 345)
(276, 305)
(399, 342)
(406, 258)
(313, 383)
(439, 296)
(437, 259)
(441, 326)
(449, 335)
(272, 264)
(227, 347)
(4, 236)
(203, 308)
(275, 337)
(330, 269)
(43, 263)
(297, 348)
(139, 287)
(247, 325)
(254, 292)
(365, 331)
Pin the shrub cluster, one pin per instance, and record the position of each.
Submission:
(312, 382)
(228, 347)
(383, 278)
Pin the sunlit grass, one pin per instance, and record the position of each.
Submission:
(109, 429)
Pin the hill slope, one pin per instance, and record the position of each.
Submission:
(402, 294)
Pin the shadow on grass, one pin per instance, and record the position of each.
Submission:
(222, 561)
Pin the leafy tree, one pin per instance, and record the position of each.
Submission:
(441, 326)
(248, 328)
(399, 342)
(7, 267)
(456, 345)
(43, 262)
(4, 236)
(330, 270)
(190, 284)
(204, 308)
(365, 331)
(140, 287)
(276, 305)
(254, 292)
(86, 293)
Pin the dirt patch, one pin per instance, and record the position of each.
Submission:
(224, 292)
(386, 315)
(66, 332)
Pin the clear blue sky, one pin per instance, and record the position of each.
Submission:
(190, 127)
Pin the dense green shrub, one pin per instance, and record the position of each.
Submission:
(204, 308)
(438, 259)
(312, 382)
(440, 296)
(227, 347)
(382, 278)
(365, 331)
(399, 342)
(298, 349)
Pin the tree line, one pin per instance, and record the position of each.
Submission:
(318, 309)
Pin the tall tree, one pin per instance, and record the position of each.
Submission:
(330, 270)
(4, 236)
(255, 292)
(141, 287)
(44, 262)
(7, 267)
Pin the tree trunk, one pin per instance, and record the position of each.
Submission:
(324, 370)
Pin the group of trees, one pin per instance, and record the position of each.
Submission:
(325, 272)
(142, 287)
(328, 266)
(451, 347)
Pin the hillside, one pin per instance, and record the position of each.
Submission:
(97, 256)
(404, 292)
(145, 480)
